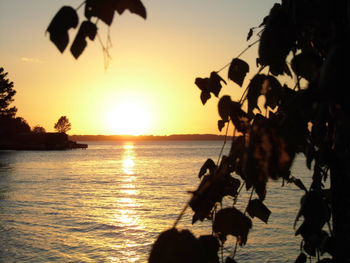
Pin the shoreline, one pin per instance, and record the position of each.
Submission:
(173, 137)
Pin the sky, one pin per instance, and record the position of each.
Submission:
(148, 87)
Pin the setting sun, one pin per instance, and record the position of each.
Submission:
(128, 118)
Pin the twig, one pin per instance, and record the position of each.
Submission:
(76, 9)
(250, 198)
(240, 54)
(181, 214)
(223, 145)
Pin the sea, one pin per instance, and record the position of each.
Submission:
(110, 202)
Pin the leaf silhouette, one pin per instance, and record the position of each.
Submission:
(103, 9)
(211, 190)
(231, 109)
(266, 156)
(316, 213)
(276, 40)
(65, 19)
(87, 29)
(238, 70)
(210, 247)
(254, 91)
(301, 258)
(230, 221)
(134, 6)
(209, 85)
(306, 65)
(175, 246)
(215, 83)
(221, 124)
(298, 183)
(208, 165)
(273, 92)
(256, 208)
(250, 33)
(236, 154)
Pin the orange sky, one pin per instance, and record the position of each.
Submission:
(148, 87)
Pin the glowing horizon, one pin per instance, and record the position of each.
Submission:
(150, 77)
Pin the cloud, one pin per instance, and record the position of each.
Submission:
(30, 60)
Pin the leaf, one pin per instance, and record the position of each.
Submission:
(256, 208)
(221, 124)
(266, 156)
(103, 9)
(250, 33)
(215, 83)
(273, 92)
(236, 154)
(210, 247)
(299, 183)
(254, 91)
(225, 107)
(207, 85)
(230, 221)
(175, 246)
(238, 70)
(87, 29)
(277, 40)
(306, 65)
(205, 96)
(65, 19)
(301, 258)
(208, 165)
(211, 190)
(228, 108)
(134, 6)
(316, 213)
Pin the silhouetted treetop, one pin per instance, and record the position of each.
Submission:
(6, 95)
(63, 125)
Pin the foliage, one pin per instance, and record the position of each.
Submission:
(38, 129)
(6, 95)
(303, 40)
(67, 18)
(10, 126)
(63, 125)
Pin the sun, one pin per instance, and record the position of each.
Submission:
(128, 118)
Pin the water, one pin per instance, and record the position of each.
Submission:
(109, 203)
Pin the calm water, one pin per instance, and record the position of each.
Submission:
(108, 203)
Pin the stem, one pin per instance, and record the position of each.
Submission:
(181, 214)
(239, 190)
(235, 250)
(223, 146)
(240, 54)
(250, 198)
(76, 9)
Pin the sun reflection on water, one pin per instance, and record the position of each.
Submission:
(126, 215)
(128, 159)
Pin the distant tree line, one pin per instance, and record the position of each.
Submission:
(11, 126)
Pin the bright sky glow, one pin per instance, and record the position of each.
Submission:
(149, 85)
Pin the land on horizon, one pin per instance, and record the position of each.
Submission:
(173, 137)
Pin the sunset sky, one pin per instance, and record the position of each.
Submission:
(148, 87)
